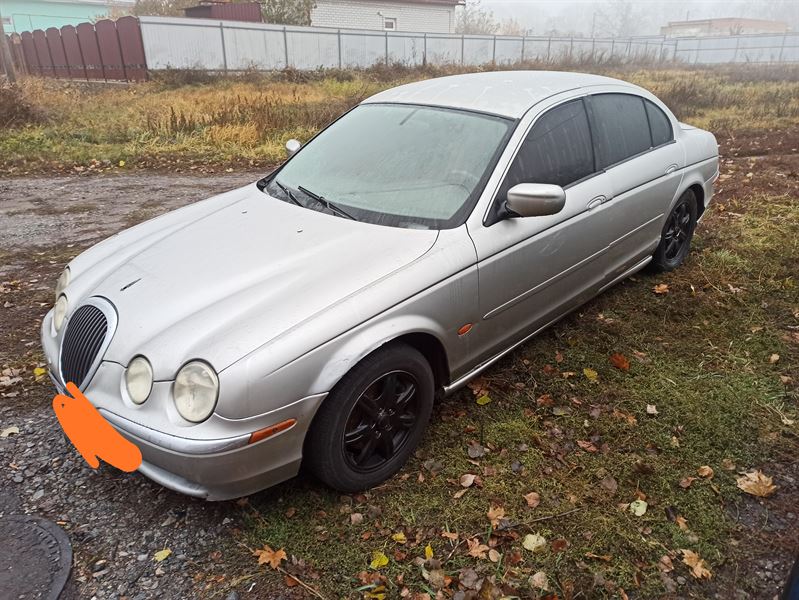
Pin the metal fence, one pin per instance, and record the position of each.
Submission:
(105, 50)
(234, 46)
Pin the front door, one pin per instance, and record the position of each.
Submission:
(533, 269)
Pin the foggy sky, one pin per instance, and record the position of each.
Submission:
(649, 15)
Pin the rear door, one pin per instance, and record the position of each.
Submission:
(634, 143)
(533, 269)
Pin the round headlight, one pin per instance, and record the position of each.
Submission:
(195, 390)
(60, 311)
(139, 379)
(62, 283)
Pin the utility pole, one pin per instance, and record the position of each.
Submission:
(5, 55)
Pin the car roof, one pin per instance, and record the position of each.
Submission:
(506, 93)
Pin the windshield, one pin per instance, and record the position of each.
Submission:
(397, 165)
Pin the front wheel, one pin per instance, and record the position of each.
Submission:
(368, 426)
(675, 241)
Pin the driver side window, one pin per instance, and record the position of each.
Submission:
(557, 150)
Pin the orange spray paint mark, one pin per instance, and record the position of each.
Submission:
(91, 434)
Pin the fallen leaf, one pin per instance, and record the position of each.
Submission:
(428, 552)
(494, 556)
(774, 358)
(467, 480)
(586, 445)
(540, 581)
(698, 567)
(356, 518)
(534, 542)
(638, 507)
(661, 289)
(665, 564)
(686, 482)
(495, 514)
(682, 522)
(13, 430)
(272, 557)
(591, 375)
(533, 499)
(559, 356)
(379, 560)
(476, 549)
(460, 493)
(475, 450)
(483, 400)
(609, 483)
(651, 409)
(399, 538)
(39, 372)
(705, 471)
(756, 483)
(162, 555)
(620, 361)
(727, 464)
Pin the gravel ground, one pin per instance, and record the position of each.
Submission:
(116, 521)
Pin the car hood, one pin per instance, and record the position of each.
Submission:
(235, 272)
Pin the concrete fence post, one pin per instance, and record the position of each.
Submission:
(386, 48)
(338, 36)
(524, 39)
(494, 52)
(463, 42)
(424, 52)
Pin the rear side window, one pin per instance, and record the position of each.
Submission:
(621, 127)
(557, 150)
(659, 124)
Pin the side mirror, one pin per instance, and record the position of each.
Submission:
(292, 146)
(535, 200)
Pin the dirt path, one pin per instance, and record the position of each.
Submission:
(116, 522)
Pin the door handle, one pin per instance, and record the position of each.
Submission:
(596, 202)
(671, 168)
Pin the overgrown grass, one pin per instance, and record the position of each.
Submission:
(188, 119)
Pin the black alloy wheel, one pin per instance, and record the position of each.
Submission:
(675, 241)
(372, 420)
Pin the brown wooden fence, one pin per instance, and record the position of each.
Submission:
(102, 51)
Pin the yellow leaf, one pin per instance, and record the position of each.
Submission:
(756, 483)
(698, 567)
(399, 538)
(162, 555)
(121, 163)
(638, 507)
(267, 555)
(591, 374)
(39, 372)
(379, 560)
(483, 400)
(534, 542)
(428, 552)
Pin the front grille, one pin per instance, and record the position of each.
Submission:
(83, 338)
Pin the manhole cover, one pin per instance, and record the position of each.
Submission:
(35, 558)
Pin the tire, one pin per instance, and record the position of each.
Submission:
(368, 426)
(675, 240)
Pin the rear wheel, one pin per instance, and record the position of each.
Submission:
(368, 426)
(675, 241)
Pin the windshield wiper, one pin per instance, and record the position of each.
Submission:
(326, 203)
(288, 193)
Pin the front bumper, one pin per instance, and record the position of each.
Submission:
(212, 460)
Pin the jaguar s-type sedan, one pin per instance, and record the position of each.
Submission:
(311, 318)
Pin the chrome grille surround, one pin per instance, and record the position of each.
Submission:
(87, 333)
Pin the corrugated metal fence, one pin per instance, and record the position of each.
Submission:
(125, 49)
(232, 46)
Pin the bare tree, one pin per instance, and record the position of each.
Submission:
(161, 8)
(288, 12)
(616, 18)
(511, 26)
(473, 18)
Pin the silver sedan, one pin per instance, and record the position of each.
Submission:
(311, 318)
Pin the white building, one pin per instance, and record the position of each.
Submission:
(429, 16)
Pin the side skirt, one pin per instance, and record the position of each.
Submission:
(463, 380)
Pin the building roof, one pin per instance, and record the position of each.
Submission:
(507, 93)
